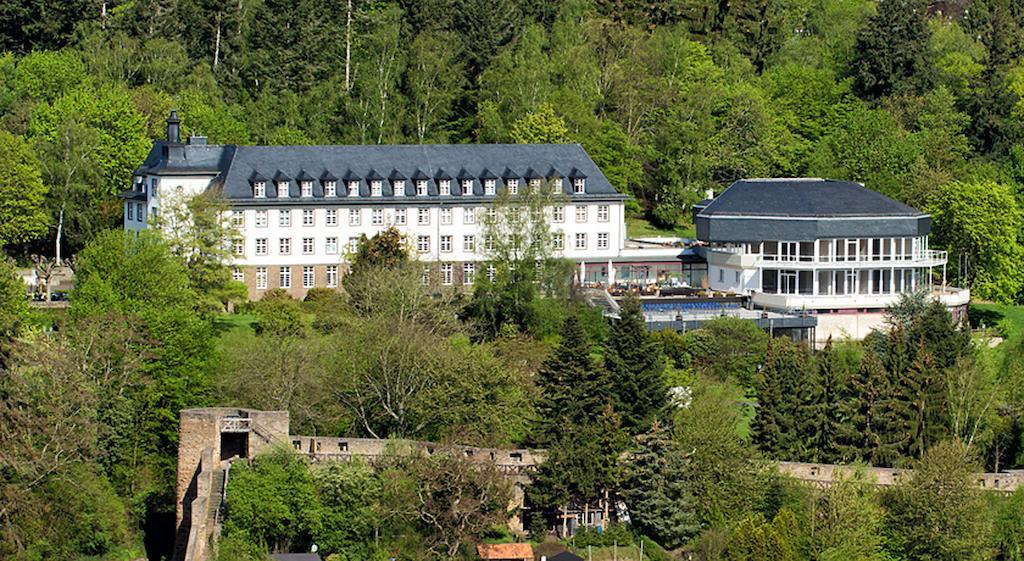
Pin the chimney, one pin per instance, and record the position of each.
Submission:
(709, 194)
(174, 128)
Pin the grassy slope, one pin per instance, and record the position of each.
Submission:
(637, 227)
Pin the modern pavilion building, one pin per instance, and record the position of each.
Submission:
(834, 248)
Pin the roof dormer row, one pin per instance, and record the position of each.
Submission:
(327, 185)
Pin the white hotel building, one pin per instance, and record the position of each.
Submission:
(299, 210)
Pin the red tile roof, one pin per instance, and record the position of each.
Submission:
(501, 551)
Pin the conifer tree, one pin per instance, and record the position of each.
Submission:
(777, 423)
(867, 433)
(822, 414)
(924, 392)
(892, 50)
(634, 364)
(656, 490)
(573, 388)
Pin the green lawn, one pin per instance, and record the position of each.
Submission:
(1009, 319)
(229, 322)
(638, 227)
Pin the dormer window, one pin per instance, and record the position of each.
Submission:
(353, 188)
(282, 189)
(445, 187)
(488, 186)
(376, 189)
(513, 186)
(421, 188)
(556, 186)
(467, 186)
(259, 190)
(330, 189)
(399, 187)
(535, 185)
(579, 185)
(307, 189)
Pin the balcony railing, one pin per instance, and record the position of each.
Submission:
(923, 258)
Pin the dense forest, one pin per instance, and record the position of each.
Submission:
(919, 100)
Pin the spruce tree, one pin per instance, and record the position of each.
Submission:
(656, 490)
(867, 433)
(775, 426)
(823, 413)
(573, 388)
(925, 404)
(634, 364)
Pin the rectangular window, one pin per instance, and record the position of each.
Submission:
(261, 246)
(469, 216)
(353, 217)
(579, 185)
(488, 186)
(469, 244)
(421, 188)
(513, 186)
(468, 273)
(308, 277)
(376, 188)
(423, 216)
(261, 278)
(332, 276)
(284, 246)
(535, 185)
(446, 274)
(602, 240)
(425, 275)
(282, 189)
(332, 217)
(261, 219)
(445, 187)
(238, 246)
(259, 190)
(581, 241)
(307, 217)
(423, 244)
(558, 241)
(492, 273)
(400, 217)
(446, 216)
(581, 213)
(446, 244)
(284, 218)
(307, 189)
(556, 186)
(237, 275)
(238, 219)
(353, 245)
(488, 242)
(330, 189)
(353, 188)
(377, 217)
(331, 245)
(603, 213)
(131, 211)
(140, 212)
(467, 186)
(285, 277)
(307, 246)
(399, 188)
(558, 214)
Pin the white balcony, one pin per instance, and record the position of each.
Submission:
(950, 296)
(735, 258)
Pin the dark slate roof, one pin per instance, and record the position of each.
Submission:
(441, 174)
(304, 176)
(565, 556)
(257, 176)
(374, 176)
(234, 166)
(804, 209)
(509, 174)
(531, 174)
(576, 173)
(804, 197)
(281, 176)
